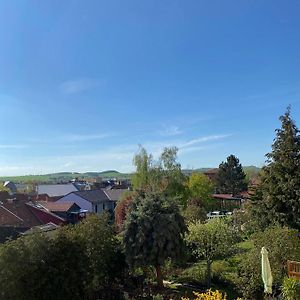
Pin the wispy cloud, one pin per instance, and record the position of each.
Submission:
(85, 137)
(13, 146)
(79, 85)
(170, 131)
(204, 139)
(72, 137)
(117, 157)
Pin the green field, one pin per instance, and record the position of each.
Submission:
(64, 176)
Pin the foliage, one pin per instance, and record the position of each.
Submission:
(164, 176)
(209, 295)
(231, 177)
(4, 188)
(194, 211)
(153, 232)
(172, 176)
(141, 179)
(282, 244)
(76, 263)
(280, 182)
(211, 241)
(102, 249)
(34, 267)
(201, 188)
(122, 209)
(291, 289)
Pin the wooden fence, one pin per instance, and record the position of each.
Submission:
(293, 269)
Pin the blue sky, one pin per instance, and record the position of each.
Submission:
(83, 83)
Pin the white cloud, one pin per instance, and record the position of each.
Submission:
(204, 139)
(117, 157)
(85, 137)
(13, 146)
(79, 85)
(170, 131)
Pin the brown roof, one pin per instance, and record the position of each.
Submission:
(9, 218)
(55, 206)
(225, 196)
(15, 212)
(212, 171)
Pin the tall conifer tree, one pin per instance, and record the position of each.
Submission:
(231, 177)
(281, 177)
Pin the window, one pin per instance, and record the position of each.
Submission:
(96, 208)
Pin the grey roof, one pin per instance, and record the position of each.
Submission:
(56, 190)
(93, 196)
(11, 186)
(114, 194)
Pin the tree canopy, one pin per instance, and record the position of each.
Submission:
(280, 181)
(231, 177)
(76, 262)
(154, 232)
(210, 241)
(200, 189)
(162, 176)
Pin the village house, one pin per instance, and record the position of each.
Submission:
(52, 192)
(95, 201)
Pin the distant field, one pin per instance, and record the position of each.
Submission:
(66, 176)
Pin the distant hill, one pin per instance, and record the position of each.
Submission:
(64, 176)
(67, 176)
(249, 170)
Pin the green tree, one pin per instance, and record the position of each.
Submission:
(280, 182)
(194, 211)
(210, 241)
(173, 180)
(153, 233)
(144, 164)
(78, 262)
(231, 177)
(201, 188)
(164, 176)
(105, 260)
(36, 267)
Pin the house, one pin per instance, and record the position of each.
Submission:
(43, 215)
(94, 201)
(14, 212)
(114, 194)
(11, 187)
(227, 202)
(15, 217)
(69, 211)
(212, 174)
(52, 192)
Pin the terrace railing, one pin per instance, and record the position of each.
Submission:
(293, 269)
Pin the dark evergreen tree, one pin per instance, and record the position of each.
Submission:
(153, 233)
(231, 177)
(281, 176)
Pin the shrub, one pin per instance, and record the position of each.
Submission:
(282, 244)
(291, 289)
(209, 295)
